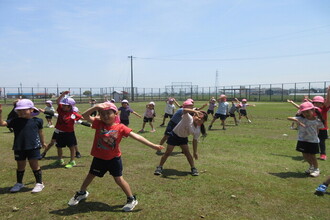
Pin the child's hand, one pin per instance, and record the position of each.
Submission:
(44, 145)
(288, 100)
(196, 156)
(159, 147)
(41, 110)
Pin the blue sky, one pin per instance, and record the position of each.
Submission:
(82, 43)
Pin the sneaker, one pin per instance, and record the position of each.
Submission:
(249, 121)
(58, 163)
(51, 126)
(323, 157)
(321, 190)
(194, 172)
(309, 170)
(78, 155)
(78, 197)
(158, 171)
(159, 152)
(161, 125)
(153, 130)
(210, 126)
(141, 131)
(38, 188)
(71, 164)
(131, 203)
(315, 173)
(17, 187)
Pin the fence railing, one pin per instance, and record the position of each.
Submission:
(259, 92)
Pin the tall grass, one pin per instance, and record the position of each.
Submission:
(250, 171)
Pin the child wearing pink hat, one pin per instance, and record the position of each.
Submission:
(324, 106)
(308, 141)
(242, 110)
(107, 153)
(29, 138)
(149, 116)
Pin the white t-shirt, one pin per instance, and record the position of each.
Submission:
(186, 127)
(310, 132)
(169, 108)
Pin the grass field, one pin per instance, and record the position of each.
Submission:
(250, 171)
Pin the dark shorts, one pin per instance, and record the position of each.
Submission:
(323, 134)
(175, 140)
(168, 115)
(222, 117)
(307, 147)
(210, 111)
(99, 167)
(49, 117)
(64, 139)
(93, 114)
(125, 122)
(145, 119)
(170, 126)
(27, 154)
(54, 137)
(231, 114)
(243, 112)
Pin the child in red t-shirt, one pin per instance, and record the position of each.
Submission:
(65, 128)
(106, 151)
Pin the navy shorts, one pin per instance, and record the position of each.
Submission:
(64, 139)
(125, 122)
(175, 140)
(231, 114)
(170, 126)
(145, 119)
(49, 117)
(323, 134)
(168, 115)
(99, 167)
(243, 112)
(222, 117)
(307, 147)
(27, 154)
(210, 111)
(54, 137)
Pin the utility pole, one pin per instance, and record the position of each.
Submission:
(132, 86)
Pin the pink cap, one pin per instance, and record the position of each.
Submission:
(191, 100)
(109, 105)
(49, 102)
(25, 104)
(244, 100)
(187, 103)
(306, 106)
(171, 100)
(318, 99)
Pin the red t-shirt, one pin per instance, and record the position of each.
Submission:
(107, 139)
(65, 120)
(324, 113)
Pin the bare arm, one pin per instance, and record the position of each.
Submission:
(58, 100)
(87, 114)
(2, 122)
(297, 121)
(195, 143)
(42, 138)
(137, 114)
(145, 141)
(327, 98)
(176, 103)
(293, 103)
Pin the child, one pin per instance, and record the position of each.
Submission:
(324, 106)
(169, 109)
(222, 112)
(322, 189)
(49, 108)
(65, 128)
(106, 151)
(189, 125)
(125, 111)
(149, 116)
(242, 110)
(308, 141)
(233, 109)
(212, 105)
(28, 140)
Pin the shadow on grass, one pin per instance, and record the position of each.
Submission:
(298, 158)
(172, 154)
(5, 190)
(171, 173)
(286, 175)
(85, 207)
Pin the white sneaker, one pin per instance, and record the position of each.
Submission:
(130, 205)
(249, 121)
(17, 187)
(315, 173)
(77, 198)
(309, 170)
(38, 188)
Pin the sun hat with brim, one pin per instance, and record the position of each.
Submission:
(244, 100)
(49, 102)
(306, 106)
(152, 103)
(113, 100)
(25, 104)
(318, 98)
(109, 105)
(171, 100)
(124, 101)
(191, 100)
(75, 109)
(187, 103)
(68, 101)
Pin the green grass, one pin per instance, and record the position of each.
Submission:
(250, 171)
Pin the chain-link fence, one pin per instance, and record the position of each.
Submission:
(259, 92)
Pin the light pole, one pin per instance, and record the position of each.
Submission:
(132, 87)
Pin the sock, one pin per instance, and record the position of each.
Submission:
(38, 175)
(19, 176)
(130, 198)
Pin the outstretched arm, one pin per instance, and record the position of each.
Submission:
(137, 114)
(327, 98)
(58, 100)
(296, 120)
(293, 103)
(145, 141)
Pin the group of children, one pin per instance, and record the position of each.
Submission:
(111, 128)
